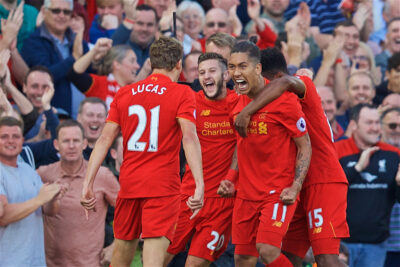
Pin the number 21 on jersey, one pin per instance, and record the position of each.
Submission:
(140, 112)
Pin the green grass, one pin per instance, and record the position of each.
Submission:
(137, 261)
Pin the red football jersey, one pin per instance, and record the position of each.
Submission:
(147, 113)
(324, 165)
(217, 140)
(267, 156)
(103, 87)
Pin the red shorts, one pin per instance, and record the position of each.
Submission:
(153, 217)
(210, 230)
(263, 221)
(319, 220)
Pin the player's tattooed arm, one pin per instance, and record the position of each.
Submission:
(303, 143)
(269, 93)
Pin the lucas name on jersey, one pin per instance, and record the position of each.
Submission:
(148, 88)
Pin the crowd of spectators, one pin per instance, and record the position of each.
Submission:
(62, 62)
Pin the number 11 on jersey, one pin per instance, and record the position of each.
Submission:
(133, 144)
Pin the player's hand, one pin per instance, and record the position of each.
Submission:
(363, 162)
(241, 123)
(195, 202)
(289, 194)
(226, 189)
(88, 200)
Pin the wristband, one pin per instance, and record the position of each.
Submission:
(129, 21)
(232, 175)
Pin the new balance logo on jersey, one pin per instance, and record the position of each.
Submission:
(277, 224)
(205, 112)
(317, 230)
(382, 165)
(368, 177)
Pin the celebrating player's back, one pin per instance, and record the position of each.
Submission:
(154, 115)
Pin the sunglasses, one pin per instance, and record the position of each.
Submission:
(56, 11)
(393, 125)
(219, 24)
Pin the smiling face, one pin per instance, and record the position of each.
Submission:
(393, 37)
(36, 84)
(11, 141)
(351, 38)
(92, 118)
(245, 73)
(144, 28)
(192, 22)
(126, 69)
(57, 24)
(360, 89)
(368, 127)
(213, 78)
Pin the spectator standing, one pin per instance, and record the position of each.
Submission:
(69, 229)
(54, 45)
(371, 167)
(24, 198)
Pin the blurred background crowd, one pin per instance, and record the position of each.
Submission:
(64, 59)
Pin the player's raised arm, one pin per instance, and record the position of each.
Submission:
(192, 148)
(303, 158)
(103, 144)
(269, 93)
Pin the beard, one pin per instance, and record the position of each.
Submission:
(219, 90)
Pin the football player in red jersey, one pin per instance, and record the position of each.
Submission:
(210, 231)
(154, 115)
(273, 162)
(320, 218)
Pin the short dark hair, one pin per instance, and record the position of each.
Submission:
(355, 111)
(69, 123)
(11, 121)
(221, 40)
(165, 53)
(252, 51)
(208, 56)
(144, 7)
(391, 21)
(38, 68)
(394, 109)
(92, 100)
(344, 23)
(273, 61)
(393, 61)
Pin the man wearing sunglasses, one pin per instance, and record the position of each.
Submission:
(53, 45)
(372, 169)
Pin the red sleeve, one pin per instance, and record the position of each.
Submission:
(292, 115)
(113, 114)
(187, 107)
(267, 37)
